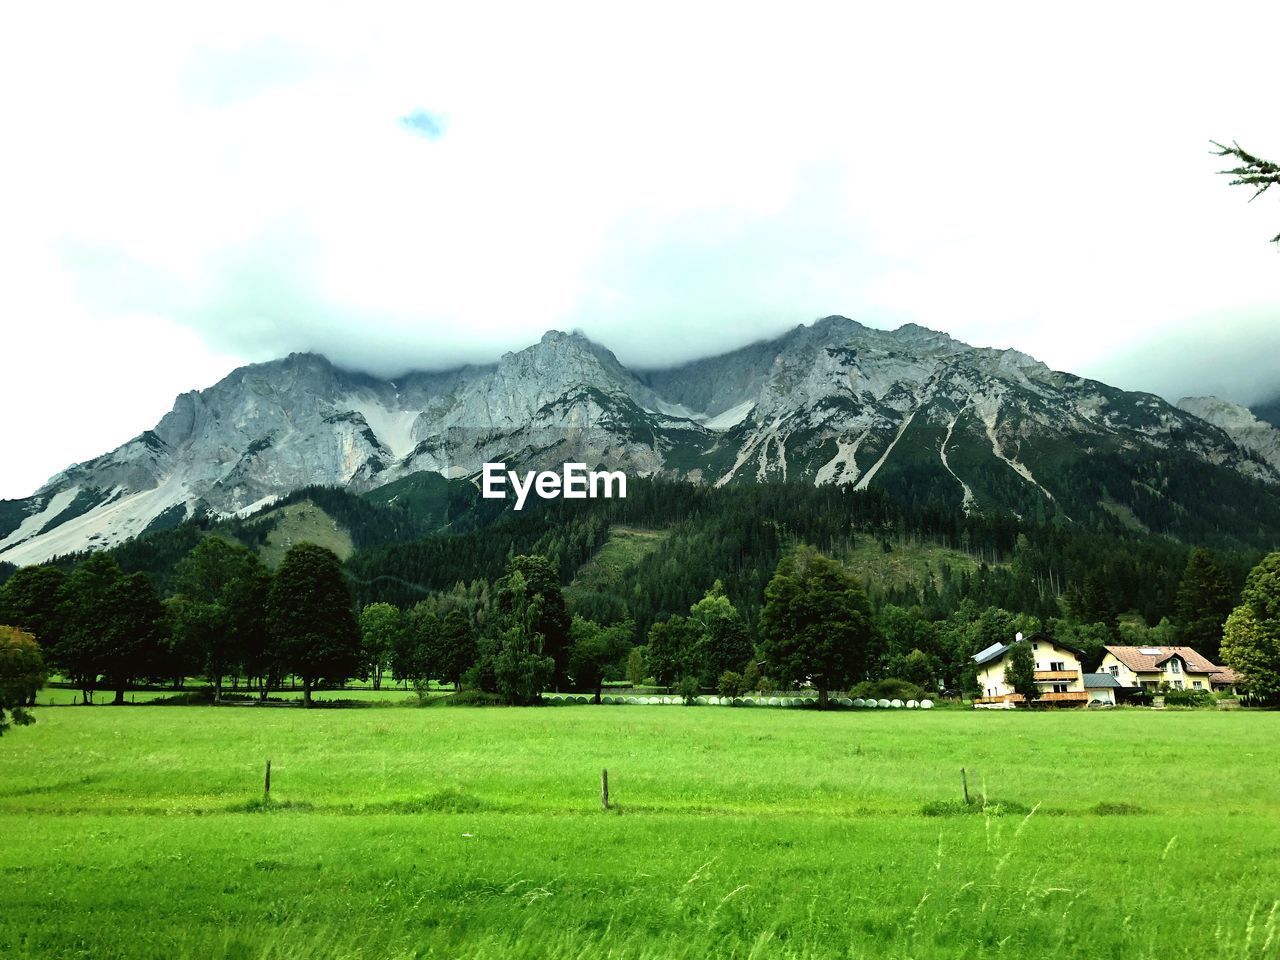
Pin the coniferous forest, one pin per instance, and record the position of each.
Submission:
(443, 586)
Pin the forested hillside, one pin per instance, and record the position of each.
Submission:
(417, 537)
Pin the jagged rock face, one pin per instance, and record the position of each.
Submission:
(1238, 422)
(834, 402)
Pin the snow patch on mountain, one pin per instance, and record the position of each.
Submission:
(731, 417)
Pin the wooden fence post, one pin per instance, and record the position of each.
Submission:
(604, 789)
(266, 784)
(964, 780)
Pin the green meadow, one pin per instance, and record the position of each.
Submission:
(141, 831)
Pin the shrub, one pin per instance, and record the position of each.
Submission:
(689, 688)
(470, 698)
(890, 688)
(731, 684)
(1188, 698)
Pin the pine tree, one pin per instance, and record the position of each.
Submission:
(1252, 172)
(1203, 603)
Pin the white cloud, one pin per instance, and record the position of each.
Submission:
(183, 193)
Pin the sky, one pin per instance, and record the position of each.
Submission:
(423, 185)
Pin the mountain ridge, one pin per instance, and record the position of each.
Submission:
(834, 401)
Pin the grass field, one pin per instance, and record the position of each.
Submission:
(455, 832)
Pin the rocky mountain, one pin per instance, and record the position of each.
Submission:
(1268, 410)
(913, 410)
(1239, 423)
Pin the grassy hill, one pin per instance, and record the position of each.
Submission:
(904, 565)
(621, 553)
(302, 522)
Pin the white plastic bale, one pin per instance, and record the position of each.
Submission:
(926, 704)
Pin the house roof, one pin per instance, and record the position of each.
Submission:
(1099, 681)
(1153, 659)
(998, 650)
(1224, 675)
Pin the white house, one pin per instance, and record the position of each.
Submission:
(1058, 674)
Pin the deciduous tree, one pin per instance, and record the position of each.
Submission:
(133, 633)
(380, 628)
(312, 626)
(1251, 641)
(21, 675)
(84, 610)
(1020, 672)
(538, 594)
(597, 650)
(29, 600)
(816, 622)
(219, 610)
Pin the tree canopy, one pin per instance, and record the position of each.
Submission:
(816, 623)
(1251, 640)
(21, 675)
(312, 626)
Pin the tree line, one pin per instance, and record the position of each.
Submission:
(102, 628)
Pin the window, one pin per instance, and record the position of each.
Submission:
(1197, 684)
(1115, 670)
(1058, 665)
(1175, 665)
(1059, 688)
(1177, 684)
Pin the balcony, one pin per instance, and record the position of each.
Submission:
(1046, 676)
(1071, 696)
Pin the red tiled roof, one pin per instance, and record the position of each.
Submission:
(1139, 661)
(1224, 675)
